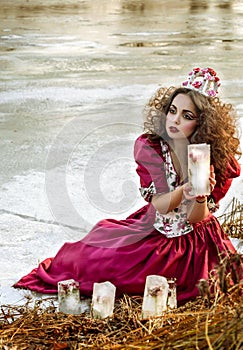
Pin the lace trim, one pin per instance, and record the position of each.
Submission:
(148, 192)
(212, 206)
(174, 223)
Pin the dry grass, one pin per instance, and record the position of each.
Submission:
(232, 220)
(196, 325)
(213, 321)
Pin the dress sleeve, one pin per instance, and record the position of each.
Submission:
(150, 167)
(232, 171)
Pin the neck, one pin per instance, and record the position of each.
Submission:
(179, 147)
(179, 157)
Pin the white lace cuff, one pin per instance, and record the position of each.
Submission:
(212, 206)
(148, 192)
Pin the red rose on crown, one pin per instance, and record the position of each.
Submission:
(211, 93)
(212, 72)
(208, 84)
(185, 83)
(197, 84)
(208, 76)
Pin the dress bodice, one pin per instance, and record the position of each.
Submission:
(158, 175)
(175, 222)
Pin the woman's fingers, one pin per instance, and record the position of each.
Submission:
(212, 183)
(212, 178)
(186, 191)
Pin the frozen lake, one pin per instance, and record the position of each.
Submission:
(75, 77)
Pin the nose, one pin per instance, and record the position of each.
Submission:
(177, 119)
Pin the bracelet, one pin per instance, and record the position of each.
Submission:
(201, 201)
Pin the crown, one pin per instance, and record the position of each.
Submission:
(203, 80)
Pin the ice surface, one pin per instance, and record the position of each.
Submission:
(238, 244)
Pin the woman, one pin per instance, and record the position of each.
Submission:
(175, 235)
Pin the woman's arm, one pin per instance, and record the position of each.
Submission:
(197, 209)
(197, 206)
(150, 167)
(166, 202)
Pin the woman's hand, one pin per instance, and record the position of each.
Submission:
(186, 194)
(198, 209)
(187, 187)
(212, 178)
(186, 191)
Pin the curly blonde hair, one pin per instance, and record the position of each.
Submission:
(216, 124)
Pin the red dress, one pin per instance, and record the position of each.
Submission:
(124, 252)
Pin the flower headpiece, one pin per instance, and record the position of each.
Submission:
(203, 80)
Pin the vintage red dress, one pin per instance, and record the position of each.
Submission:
(124, 252)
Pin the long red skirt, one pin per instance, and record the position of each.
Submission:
(124, 252)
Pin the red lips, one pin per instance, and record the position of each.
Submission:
(173, 129)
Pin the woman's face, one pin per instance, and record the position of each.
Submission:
(181, 119)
